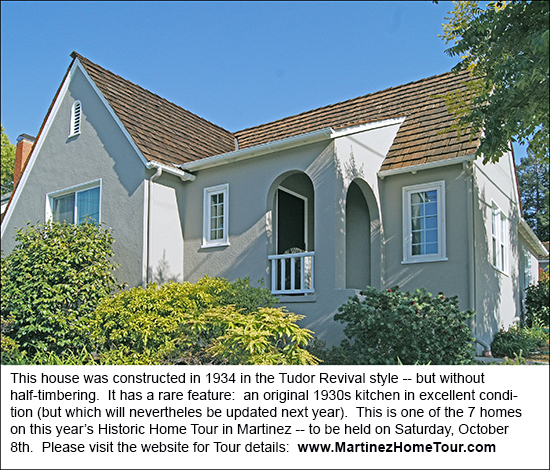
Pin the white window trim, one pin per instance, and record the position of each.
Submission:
(501, 218)
(441, 255)
(72, 132)
(208, 192)
(306, 215)
(50, 197)
(527, 269)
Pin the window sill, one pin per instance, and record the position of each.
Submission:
(504, 273)
(214, 245)
(290, 299)
(424, 260)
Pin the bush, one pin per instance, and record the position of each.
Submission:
(516, 339)
(536, 302)
(52, 282)
(209, 322)
(391, 327)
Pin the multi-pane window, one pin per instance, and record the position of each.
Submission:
(75, 206)
(424, 222)
(499, 229)
(215, 230)
(216, 216)
(527, 269)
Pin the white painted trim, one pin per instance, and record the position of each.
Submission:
(367, 127)
(535, 245)
(441, 255)
(425, 166)
(145, 255)
(50, 197)
(206, 219)
(306, 215)
(258, 150)
(505, 269)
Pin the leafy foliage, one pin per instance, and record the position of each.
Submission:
(7, 162)
(536, 302)
(52, 282)
(209, 322)
(505, 46)
(516, 339)
(389, 326)
(534, 188)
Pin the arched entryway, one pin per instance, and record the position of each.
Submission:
(291, 203)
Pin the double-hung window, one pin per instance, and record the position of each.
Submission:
(527, 269)
(499, 235)
(216, 216)
(75, 205)
(424, 223)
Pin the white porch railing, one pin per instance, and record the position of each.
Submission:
(292, 273)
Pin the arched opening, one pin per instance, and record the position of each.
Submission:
(292, 249)
(358, 239)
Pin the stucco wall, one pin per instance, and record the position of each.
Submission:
(498, 294)
(450, 276)
(100, 152)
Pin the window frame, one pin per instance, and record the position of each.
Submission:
(441, 254)
(75, 123)
(500, 239)
(527, 269)
(207, 241)
(51, 197)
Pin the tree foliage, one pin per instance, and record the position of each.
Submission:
(8, 162)
(505, 46)
(52, 282)
(534, 187)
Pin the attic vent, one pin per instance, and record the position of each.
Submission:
(75, 118)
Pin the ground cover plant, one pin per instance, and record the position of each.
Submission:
(518, 340)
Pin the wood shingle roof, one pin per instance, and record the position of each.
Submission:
(420, 138)
(163, 131)
(167, 133)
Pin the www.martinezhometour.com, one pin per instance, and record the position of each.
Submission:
(395, 447)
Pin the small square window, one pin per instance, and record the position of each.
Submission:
(215, 223)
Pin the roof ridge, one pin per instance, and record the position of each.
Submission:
(339, 103)
(76, 55)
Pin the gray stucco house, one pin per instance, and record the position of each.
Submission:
(369, 191)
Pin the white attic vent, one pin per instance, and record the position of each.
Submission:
(76, 112)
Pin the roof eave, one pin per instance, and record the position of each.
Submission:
(535, 245)
(425, 166)
(258, 150)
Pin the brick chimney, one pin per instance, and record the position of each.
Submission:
(22, 153)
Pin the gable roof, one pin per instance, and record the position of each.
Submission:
(419, 140)
(169, 134)
(163, 131)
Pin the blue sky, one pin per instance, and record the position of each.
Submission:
(237, 64)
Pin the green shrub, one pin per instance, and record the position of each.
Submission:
(209, 322)
(52, 282)
(392, 327)
(536, 302)
(516, 339)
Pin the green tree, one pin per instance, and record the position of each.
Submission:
(534, 189)
(52, 282)
(505, 46)
(8, 162)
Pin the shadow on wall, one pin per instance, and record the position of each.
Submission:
(162, 273)
(488, 279)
